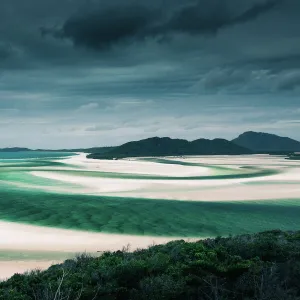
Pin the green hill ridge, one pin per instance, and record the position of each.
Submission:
(247, 143)
(266, 142)
(173, 147)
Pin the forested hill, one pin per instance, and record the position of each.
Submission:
(266, 142)
(171, 147)
(247, 143)
(258, 266)
(15, 149)
(86, 150)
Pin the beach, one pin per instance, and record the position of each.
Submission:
(69, 205)
(284, 173)
(61, 243)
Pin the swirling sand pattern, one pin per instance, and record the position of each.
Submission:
(54, 192)
(138, 201)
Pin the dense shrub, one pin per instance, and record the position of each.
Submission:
(263, 266)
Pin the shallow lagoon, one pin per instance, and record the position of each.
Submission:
(108, 204)
(147, 217)
(31, 199)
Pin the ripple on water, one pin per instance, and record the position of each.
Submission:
(19, 203)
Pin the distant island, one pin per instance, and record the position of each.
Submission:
(265, 142)
(14, 149)
(172, 147)
(84, 150)
(249, 142)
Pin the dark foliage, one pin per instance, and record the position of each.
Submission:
(14, 149)
(294, 156)
(263, 266)
(266, 143)
(170, 147)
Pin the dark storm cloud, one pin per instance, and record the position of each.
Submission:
(289, 81)
(221, 78)
(280, 62)
(5, 51)
(103, 27)
(81, 68)
(255, 11)
(209, 17)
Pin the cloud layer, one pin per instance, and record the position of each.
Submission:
(100, 27)
(88, 72)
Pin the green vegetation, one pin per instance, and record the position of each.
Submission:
(264, 266)
(247, 143)
(14, 149)
(294, 156)
(261, 142)
(171, 147)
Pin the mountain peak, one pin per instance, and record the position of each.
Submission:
(166, 146)
(266, 142)
(258, 133)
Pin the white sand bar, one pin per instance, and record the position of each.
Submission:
(135, 166)
(283, 185)
(17, 236)
(9, 268)
(20, 237)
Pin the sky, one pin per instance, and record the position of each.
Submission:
(83, 73)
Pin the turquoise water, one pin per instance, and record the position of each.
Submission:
(32, 154)
(33, 255)
(19, 202)
(15, 168)
(145, 216)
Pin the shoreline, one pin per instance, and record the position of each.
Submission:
(18, 236)
(21, 237)
(212, 190)
(37, 239)
(8, 268)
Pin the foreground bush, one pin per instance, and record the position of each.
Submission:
(263, 266)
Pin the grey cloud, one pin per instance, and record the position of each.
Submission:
(89, 106)
(289, 81)
(276, 63)
(102, 127)
(5, 51)
(204, 17)
(151, 130)
(107, 26)
(247, 81)
(209, 62)
(255, 11)
(223, 78)
(103, 28)
(296, 122)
